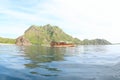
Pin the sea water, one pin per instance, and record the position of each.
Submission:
(89, 62)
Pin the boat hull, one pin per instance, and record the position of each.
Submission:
(62, 44)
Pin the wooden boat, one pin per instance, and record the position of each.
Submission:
(61, 44)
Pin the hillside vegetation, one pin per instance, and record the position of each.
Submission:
(7, 40)
(46, 34)
(95, 42)
(43, 35)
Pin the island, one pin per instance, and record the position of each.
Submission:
(47, 34)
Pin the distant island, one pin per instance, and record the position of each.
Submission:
(7, 40)
(44, 35)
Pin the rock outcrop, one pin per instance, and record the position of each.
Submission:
(22, 41)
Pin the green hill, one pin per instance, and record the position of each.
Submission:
(43, 35)
(47, 33)
(95, 42)
(7, 40)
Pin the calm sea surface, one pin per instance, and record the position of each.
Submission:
(72, 63)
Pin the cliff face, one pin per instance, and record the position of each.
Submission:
(22, 41)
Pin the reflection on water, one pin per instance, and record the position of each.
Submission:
(39, 55)
(95, 48)
(46, 63)
(44, 54)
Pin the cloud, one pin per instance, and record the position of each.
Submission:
(80, 18)
(89, 18)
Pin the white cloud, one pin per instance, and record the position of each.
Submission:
(80, 18)
(89, 18)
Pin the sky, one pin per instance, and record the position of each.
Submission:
(80, 18)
